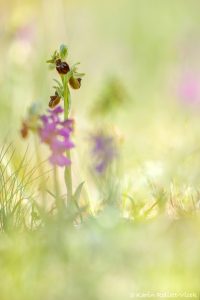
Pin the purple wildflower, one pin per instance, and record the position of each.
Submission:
(56, 134)
(189, 89)
(103, 151)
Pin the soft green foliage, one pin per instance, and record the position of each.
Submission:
(104, 259)
(17, 205)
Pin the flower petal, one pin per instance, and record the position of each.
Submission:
(59, 160)
(60, 146)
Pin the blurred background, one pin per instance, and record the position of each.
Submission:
(142, 85)
(145, 52)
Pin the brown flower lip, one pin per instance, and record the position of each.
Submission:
(75, 83)
(24, 130)
(54, 100)
(62, 67)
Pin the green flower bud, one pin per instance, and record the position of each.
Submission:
(63, 51)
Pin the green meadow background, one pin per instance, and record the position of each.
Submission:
(134, 54)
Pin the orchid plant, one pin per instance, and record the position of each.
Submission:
(69, 77)
(55, 127)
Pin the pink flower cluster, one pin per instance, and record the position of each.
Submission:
(57, 134)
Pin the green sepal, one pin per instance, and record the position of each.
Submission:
(54, 57)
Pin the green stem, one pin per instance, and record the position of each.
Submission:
(57, 189)
(68, 171)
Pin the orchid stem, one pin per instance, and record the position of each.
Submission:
(68, 172)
